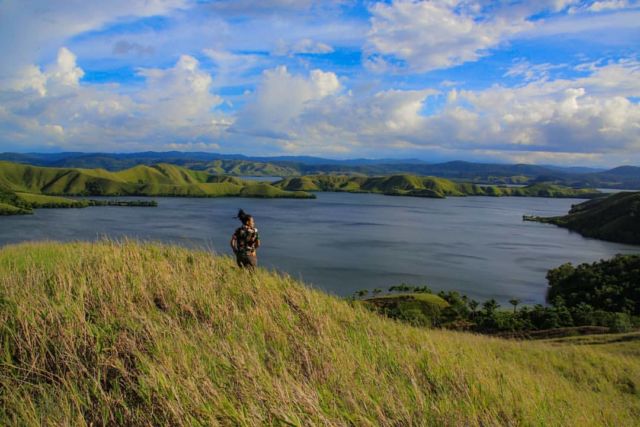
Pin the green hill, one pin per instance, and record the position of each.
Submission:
(615, 218)
(246, 168)
(424, 186)
(141, 180)
(131, 334)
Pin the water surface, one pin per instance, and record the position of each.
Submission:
(344, 242)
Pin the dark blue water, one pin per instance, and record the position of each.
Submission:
(343, 242)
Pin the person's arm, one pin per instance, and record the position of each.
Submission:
(234, 243)
(257, 240)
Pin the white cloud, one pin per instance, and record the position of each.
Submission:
(233, 69)
(424, 35)
(301, 46)
(174, 106)
(566, 120)
(427, 35)
(585, 115)
(606, 5)
(30, 28)
(529, 72)
(179, 96)
(281, 98)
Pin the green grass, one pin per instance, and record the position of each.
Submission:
(44, 201)
(7, 209)
(418, 296)
(145, 334)
(626, 343)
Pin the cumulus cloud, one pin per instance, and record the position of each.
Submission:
(280, 100)
(566, 120)
(63, 73)
(421, 36)
(589, 116)
(179, 95)
(174, 106)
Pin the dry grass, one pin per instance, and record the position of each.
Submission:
(143, 334)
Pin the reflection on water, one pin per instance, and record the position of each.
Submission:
(344, 242)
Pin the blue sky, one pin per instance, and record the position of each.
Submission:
(551, 81)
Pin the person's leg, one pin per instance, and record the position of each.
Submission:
(252, 261)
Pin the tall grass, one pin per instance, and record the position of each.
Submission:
(146, 334)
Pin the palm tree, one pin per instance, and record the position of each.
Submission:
(514, 302)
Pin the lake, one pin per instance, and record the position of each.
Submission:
(343, 242)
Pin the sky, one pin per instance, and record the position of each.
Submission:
(543, 82)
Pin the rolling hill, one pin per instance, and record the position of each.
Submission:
(623, 177)
(141, 180)
(419, 186)
(139, 334)
(615, 218)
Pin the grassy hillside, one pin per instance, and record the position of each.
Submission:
(246, 168)
(112, 333)
(615, 218)
(141, 180)
(421, 186)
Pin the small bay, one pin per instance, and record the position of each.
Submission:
(342, 242)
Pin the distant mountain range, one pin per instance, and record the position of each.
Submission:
(623, 177)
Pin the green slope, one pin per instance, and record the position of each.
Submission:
(247, 168)
(615, 218)
(141, 180)
(130, 334)
(421, 186)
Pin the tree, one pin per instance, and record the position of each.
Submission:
(490, 306)
(473, 305)
(376, 291)
(514, 302)
(610, 285)
(362, 293)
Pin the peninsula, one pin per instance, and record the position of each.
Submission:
(615, 218)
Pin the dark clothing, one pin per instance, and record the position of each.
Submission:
(245, 241)
(247, 261)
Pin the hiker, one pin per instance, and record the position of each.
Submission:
(245, 241)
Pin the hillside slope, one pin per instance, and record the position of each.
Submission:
(141, 180)
(124, 333)
(615, 218)
(424, 186)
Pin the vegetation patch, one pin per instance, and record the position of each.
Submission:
(603, 296)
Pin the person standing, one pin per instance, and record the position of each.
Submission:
(245, 242)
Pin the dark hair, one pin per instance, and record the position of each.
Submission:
(243, 216)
